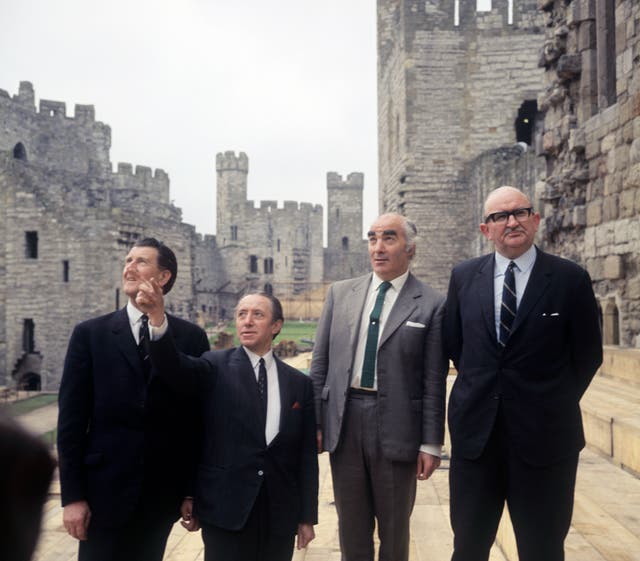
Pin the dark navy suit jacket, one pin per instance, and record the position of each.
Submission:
(236, 460)
(539, 377)
(117, 435)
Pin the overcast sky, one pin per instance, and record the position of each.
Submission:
(290, 82)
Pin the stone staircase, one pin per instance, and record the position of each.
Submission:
(606, 518)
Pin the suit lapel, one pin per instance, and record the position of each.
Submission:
(539, 282)
(354, 306)
(405, 303)
(244, 376)
(285, 395)
(125, 342)
(485, 288)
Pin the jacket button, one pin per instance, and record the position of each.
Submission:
(260, 472)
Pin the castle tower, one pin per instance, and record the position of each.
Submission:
(344, 211)
(448, 91)
(231, 198)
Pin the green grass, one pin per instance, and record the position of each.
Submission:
(29, 404)
(50, 437)
(291, 331)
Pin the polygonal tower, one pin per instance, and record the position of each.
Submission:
(344, 211)
(231, 198)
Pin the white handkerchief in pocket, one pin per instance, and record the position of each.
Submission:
(416, 324)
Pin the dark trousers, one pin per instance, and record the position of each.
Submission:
(369, 487)
(540, 501)
(143, 537)
(254, 542)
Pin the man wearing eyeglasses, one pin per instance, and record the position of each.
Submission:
(522, 329)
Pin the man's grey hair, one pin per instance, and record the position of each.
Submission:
(410, 232)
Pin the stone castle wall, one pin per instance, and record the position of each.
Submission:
(56, 185)
(268, 246)
(591, 99)
(446, 94)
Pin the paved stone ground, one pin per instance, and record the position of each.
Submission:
(605, 525)
(431, 535)
(431, 538)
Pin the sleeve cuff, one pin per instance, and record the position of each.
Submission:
(432, 449)
(158, 332)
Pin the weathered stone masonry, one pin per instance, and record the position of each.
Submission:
(67, 220)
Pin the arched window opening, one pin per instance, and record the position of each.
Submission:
(20, 152)
(525, 122)
(345, 243)
(30, 382)
(611, 323)
(253, 264)
(28, 336)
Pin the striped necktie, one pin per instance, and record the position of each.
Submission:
(143, 345)
(509, 305)
(262, 384)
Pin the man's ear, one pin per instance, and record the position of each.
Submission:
(411, 250)
(485, 230)
(164, 277)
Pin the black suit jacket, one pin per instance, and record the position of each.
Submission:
(236, 460)
(539, 377)
(117, 435)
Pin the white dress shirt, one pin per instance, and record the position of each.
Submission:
(389, 300)
(522, 272)
(135, 322)
(272, 426)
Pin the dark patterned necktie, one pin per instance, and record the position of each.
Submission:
(371, 347)
(143, 345)
(509, 304)
(262, 385)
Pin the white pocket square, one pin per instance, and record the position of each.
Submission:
(554, 314)
(416, 324)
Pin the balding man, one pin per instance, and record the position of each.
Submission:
(379, 374)
(522, 329)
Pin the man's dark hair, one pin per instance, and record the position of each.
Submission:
(276, 307)
(166, 259)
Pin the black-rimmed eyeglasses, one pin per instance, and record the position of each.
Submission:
(503, 216)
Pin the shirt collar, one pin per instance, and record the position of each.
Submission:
(524, 262)
(396, 283)
(133, 313)
(255, 359)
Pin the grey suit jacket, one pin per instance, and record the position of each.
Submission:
(411, 366)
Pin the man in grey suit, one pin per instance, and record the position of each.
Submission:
(379, 375)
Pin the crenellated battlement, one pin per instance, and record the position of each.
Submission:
(287, 206)
(53, 108)
(355, 180)
(148, 182)
(441, 14)
(228, 161)
(51, 137)
(25, 98)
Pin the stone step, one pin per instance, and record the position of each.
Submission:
(605, 524)
(622, 365)
(611, 416)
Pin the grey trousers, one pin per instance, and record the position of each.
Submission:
(368, 488)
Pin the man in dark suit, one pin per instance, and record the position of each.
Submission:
(256, 485)
(379, 375)
(124, 456)
(522, 329)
